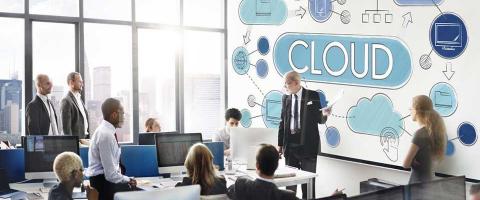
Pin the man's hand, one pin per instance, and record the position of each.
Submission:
(327, 111)
(280, 150)
(132, 183)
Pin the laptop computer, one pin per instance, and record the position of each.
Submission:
(5, 191)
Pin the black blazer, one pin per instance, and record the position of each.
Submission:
(245, 189)
(220, 186)
(72, 119)
(310, 117)
(37, 121)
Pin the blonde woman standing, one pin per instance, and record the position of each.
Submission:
(429, 142)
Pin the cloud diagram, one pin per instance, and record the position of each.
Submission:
(373, 117)
(418, 2)
(265, 12)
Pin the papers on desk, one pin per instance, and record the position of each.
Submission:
(284, 173)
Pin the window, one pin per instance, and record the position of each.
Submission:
(157, 11)
(203, 61)
(108, 9)
(156, 65)
(14, 6)
(54, 54)
(108, 72)
(55, 7)
(195, 15)
(11, 75)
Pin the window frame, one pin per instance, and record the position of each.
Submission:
(79, 23)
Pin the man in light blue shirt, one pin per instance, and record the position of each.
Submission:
(104, 154)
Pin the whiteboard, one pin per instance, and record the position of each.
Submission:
(381, 53)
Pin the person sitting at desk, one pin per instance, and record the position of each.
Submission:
(199, 164)
(104, 167)
(475, 191)
(428, 143)
(262, 187)
(152, 126)
(232, 117)
(68, 168)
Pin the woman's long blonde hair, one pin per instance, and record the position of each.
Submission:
(433, 122)
(199, 164)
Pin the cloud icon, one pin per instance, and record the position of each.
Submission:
(265, 12)
(418, 2)
(375, 116)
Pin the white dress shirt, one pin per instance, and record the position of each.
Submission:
(78, 99)
(299, 97)
(223, 135)
(104, 155)
(49, 108)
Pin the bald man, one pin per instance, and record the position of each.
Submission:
(41, 118)
(298, 136)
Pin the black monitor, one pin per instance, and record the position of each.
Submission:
(334, 197)
(40, 152)
(452, 188)
(394, 193)
(149, 138)
(172, 150)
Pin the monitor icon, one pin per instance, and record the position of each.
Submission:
(321, 7)
(448, 36)
(263, 7)
(273, 110)
(443, 99)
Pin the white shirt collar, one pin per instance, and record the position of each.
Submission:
(108, 125)
(77, 94)
(43, 97)
(299, 93)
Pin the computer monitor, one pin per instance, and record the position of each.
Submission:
(447, 188)
(448, 35)
(191, 192)
(172, 150)
(149, 138)
(394, 193)
(40, 152)
(242, 139)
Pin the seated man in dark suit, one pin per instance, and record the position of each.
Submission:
(262, 187)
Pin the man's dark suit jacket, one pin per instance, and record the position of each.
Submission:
(245, 189)
(37, 119)
(310, 117)
(72, 119)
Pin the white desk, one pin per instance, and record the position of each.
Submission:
(36, 188)
(301, 177)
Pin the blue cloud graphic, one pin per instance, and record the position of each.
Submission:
(373, 116)
(266, 12)
(418, 2)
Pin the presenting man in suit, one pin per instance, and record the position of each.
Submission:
(74, 114)
(298, 136)
(41, 118)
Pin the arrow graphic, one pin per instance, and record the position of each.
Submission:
(300, 12)
(448, 71)
(246, 37)
(407, 18)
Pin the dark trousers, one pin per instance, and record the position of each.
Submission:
(107, 189)
(295, 157)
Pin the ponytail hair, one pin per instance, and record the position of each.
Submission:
(434, 124)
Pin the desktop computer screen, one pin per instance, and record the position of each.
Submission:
(40, 152)
(172, 150)
(447, 188)
(394, 193)
(243, 139)
(149, 138)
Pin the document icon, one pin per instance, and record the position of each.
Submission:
(264, 7)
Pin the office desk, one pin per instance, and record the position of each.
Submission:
(36, 188)
(301, 177)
